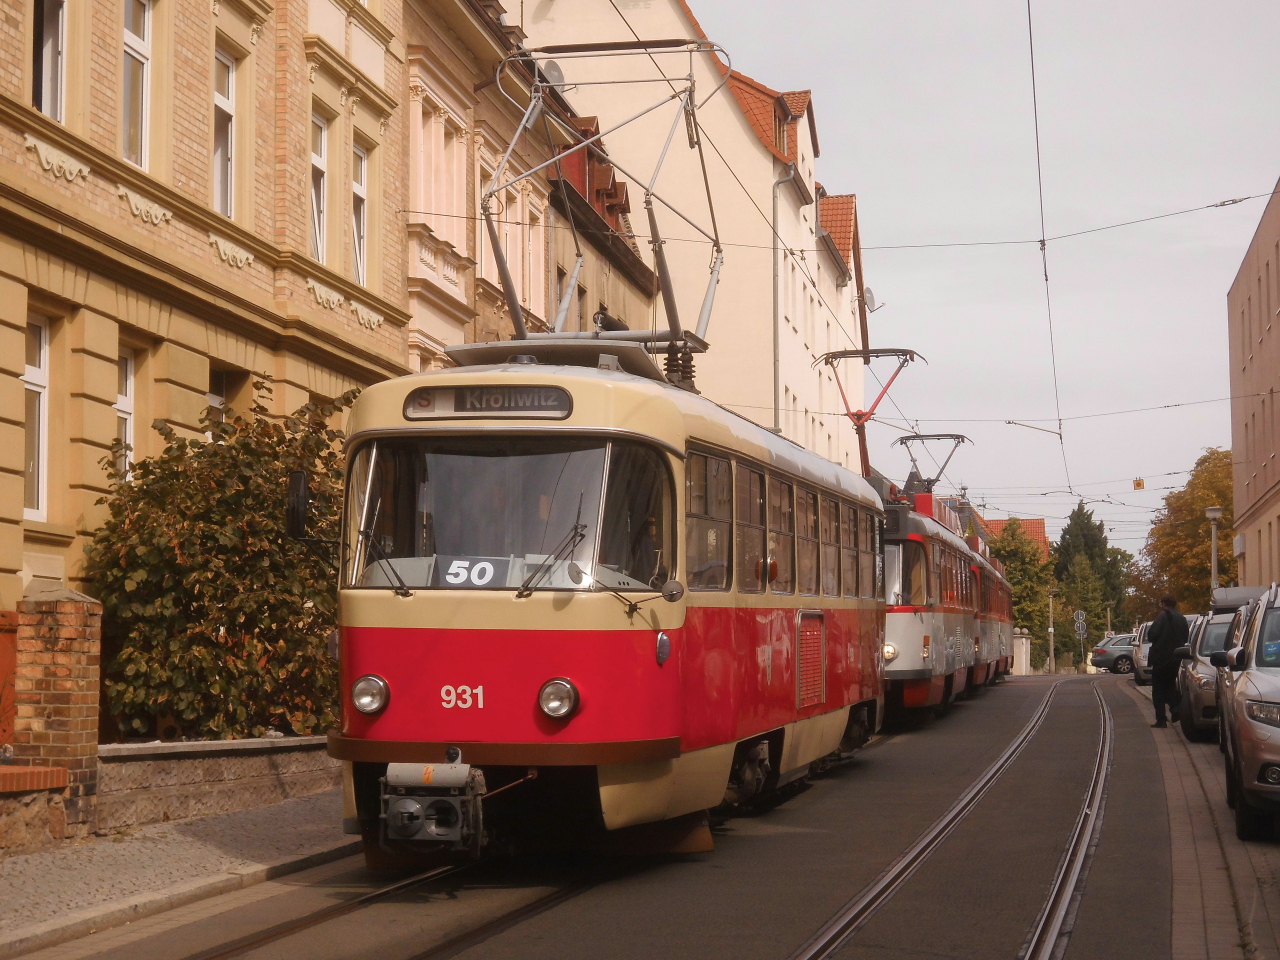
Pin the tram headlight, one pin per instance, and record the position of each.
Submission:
(558, 698)
(370, 694)
(890, 652)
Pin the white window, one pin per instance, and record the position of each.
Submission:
(224, 114)
(137, 79)
(35, 380)
(319, 138)
(359, 210)
(48, 60)
(124, 409)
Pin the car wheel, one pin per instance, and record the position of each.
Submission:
(1187, 720)
(1251, 823)
(1122, 665)
(1231, 780)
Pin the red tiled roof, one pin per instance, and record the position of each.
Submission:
(1032, 527)
(751, 95)
(839, 215)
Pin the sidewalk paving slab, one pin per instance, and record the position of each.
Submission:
(82, 887)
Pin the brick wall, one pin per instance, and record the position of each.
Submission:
(59, 648)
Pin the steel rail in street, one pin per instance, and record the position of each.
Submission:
(855, 914)
(1043, 941)
(290, 927)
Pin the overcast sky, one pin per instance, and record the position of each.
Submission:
(924, 111)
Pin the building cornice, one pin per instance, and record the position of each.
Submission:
(321, 55)
(113, 170)
(597, 232)
(446, 303)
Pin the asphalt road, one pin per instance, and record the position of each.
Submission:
(777, 876)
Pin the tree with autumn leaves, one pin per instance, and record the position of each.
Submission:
(214, 621)
(1176, 557)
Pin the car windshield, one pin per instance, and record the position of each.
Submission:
(507, 513)
(1269, 641)
(1214, 637)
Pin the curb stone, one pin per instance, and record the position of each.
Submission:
(81, 923)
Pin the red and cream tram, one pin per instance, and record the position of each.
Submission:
(947, 621)
(567, 585)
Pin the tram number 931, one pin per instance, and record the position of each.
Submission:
(461, 697)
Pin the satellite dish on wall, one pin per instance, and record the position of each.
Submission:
(869, 299)
(551, 70)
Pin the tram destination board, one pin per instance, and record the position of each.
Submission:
(495, 402)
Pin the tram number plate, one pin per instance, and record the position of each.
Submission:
(461, 697)
(468, 573)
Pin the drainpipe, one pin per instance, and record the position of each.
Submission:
(791, 174)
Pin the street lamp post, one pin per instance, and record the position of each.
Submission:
(1214, 514)
(1053, 665)
(1110, 604)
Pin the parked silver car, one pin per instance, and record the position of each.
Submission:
(1198, 679)
(1114, 654)
(1141, 650)
(1249, 703)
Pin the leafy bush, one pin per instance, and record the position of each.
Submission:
(212, 615)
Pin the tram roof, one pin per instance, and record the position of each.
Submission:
(604, 401)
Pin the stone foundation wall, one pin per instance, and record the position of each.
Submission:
(154, 782)
(32, 813)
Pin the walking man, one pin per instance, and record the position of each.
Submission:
(1166, 634)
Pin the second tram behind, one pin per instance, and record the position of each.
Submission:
(948, 622)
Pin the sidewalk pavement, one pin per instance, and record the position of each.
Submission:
(1226, 892)
(78, 888)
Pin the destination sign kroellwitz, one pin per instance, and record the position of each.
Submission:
(495, 402)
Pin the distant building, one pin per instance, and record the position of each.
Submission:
(1033, 527)
(761, 150)
(1252, 305)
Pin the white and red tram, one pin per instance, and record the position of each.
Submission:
(947, 621)
(567, 581)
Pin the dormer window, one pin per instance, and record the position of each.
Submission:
(780, 132)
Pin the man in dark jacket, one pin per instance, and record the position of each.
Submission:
(1166, 634)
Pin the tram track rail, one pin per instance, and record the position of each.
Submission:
(1052, 927)
(855, 914)
(314, 919)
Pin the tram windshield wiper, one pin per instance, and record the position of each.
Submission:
(384, 560)
(568, 543)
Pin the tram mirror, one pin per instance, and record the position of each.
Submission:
(672, 591)
(299, 500)
(576, 573)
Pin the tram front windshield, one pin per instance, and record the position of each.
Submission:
(507, 514)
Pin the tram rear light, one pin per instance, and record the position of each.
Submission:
(558, 698)
(370, 694)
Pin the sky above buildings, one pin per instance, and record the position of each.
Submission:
(924, 110)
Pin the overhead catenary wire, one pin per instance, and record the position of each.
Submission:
(1044, 252)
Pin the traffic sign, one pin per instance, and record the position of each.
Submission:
(1081, 630)
(1109, 634)
(1079, 616)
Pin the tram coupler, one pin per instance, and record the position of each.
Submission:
(435, 805)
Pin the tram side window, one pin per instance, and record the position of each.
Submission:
(849, 549)
(709, 482)
(830, 530)
(866, 554)
(750, 542)
(636, 540)
(782, 535)
(915, 574)
(807, 541)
